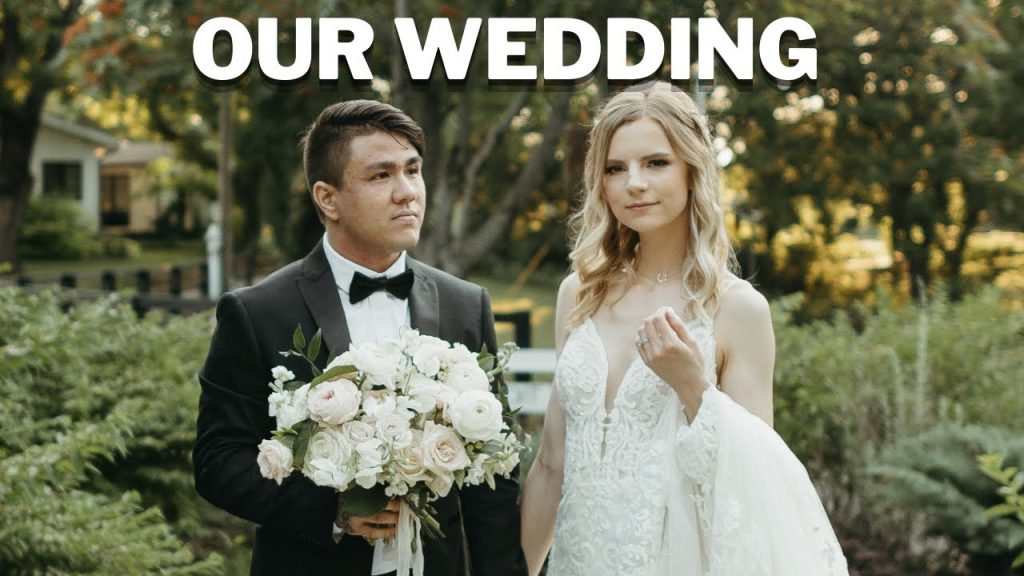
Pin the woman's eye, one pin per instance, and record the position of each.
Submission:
(659, 162)
(613, 169)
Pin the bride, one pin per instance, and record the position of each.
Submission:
(658, 454)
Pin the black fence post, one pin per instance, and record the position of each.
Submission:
(176, 281)
(68, 281)
(204, 280)
(108, 281)
(520, 321)
(142, 281)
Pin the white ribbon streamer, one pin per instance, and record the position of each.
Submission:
(409, 543)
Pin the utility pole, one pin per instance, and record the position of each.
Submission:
(224, 196)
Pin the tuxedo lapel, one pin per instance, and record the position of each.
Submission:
(316, 284)
(424, 306)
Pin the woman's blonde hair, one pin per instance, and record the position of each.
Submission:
(605, 251)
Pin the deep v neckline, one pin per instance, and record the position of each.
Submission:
(605, 410)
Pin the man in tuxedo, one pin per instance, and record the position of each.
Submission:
(363, 164)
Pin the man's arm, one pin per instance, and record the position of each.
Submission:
(233, 420)
(491, 517)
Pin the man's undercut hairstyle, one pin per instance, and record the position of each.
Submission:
(325, 145)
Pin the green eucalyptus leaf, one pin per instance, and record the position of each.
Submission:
(335, 372)
(298, 340)
(314, 346)
(293, 385)
(304, 431)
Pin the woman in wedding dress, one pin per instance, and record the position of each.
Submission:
(658, 456)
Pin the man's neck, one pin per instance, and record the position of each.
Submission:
(374, 260)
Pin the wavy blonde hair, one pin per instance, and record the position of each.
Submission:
(605, 251)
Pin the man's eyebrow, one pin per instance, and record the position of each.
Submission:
(391, 164)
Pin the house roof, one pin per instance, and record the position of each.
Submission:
(137, 153)
(86, 133)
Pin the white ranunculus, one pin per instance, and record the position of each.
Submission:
(282, 374)
(334, 402)
(477, 416)
(275, 460)
(458, 354)
(289, 408)
(467, 376)
(357, 432)
(394, 429)
(443, 454)
(329, 459)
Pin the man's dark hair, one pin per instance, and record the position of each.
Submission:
(325, 145)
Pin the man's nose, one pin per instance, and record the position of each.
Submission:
(406, 190)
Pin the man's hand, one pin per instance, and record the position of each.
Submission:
(379, 525)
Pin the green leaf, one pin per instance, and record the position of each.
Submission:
(1000, 510)
(358, 501)
(304, 431)
(1019, 561)
(333, 373)
(485, 360)
(293, 385)
(314, 346)
(298, 340)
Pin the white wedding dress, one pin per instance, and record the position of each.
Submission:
(646, 493)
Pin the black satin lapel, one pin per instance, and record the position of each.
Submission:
(321, 296)
(423, 305)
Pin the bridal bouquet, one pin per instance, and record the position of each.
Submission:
(404, 418)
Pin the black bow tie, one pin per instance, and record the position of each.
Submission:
(362, 286)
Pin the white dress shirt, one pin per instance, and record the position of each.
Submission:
(381, 315)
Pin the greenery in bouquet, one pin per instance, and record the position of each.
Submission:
(403, 418)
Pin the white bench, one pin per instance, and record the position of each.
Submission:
(532, 395)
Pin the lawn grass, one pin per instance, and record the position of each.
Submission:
(156, 255)
(538, 295)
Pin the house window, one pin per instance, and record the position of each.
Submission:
(115, 199)
(63, 179)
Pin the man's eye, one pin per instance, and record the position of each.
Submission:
(380, 175)
(413, 171)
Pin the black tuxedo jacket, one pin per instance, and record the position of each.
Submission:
(296, 518)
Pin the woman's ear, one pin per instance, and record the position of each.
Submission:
(326, 198)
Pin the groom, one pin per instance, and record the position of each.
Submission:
(363, 163)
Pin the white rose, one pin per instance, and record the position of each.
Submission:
(289, 407)
(275, 460)
(477, 416)
(282, 374)
(443, 454)
(408, 465)
(357, 432)
(334, 402)
(468, 376)
(394, 429)
(329, 459)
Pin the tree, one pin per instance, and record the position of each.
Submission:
(33, 36)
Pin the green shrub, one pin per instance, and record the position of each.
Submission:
(120, 247)
(56, 229)
(935, 474)
(99, 420)
(1011, 482)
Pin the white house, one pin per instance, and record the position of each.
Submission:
(108, 178)
(66, 162)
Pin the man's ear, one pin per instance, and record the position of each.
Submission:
(326, 198)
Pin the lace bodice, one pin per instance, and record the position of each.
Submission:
(610, 519)
(646, 493)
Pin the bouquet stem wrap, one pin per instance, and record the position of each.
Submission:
(409, 543)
